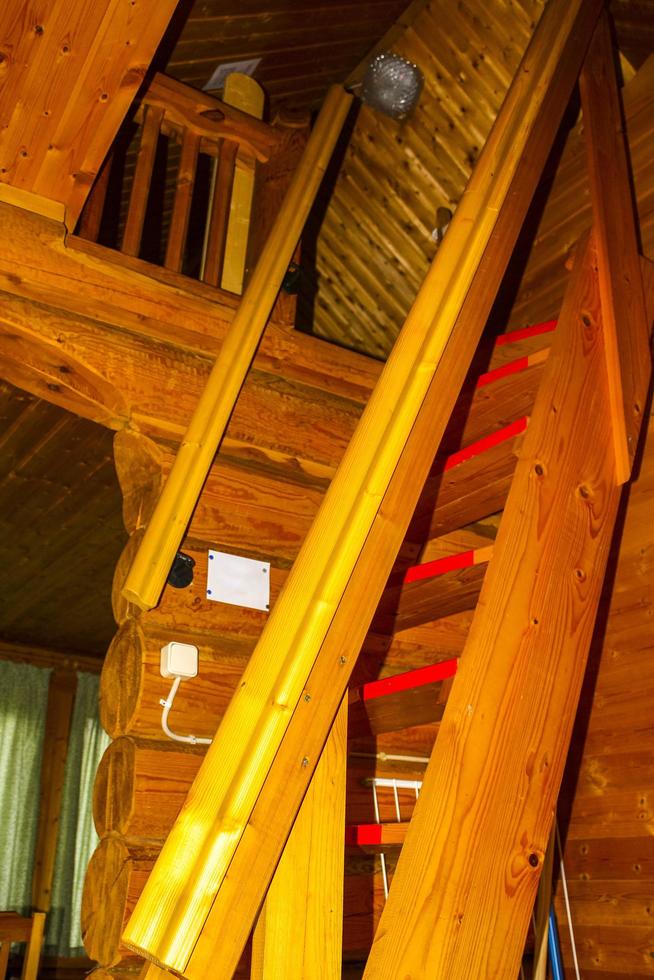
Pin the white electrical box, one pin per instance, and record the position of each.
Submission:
(238, 581)
(179, 660)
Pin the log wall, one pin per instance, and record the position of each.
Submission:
(608, 811)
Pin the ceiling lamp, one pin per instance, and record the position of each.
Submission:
(392, 85)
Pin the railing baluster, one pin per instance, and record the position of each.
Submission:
(182, 205)
(222, 195)
(142, 178)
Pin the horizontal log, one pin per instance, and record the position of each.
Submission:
(94, 305)
(140, 787)
(240, 510)
(131, 685)
(189, 609)
(114, 880)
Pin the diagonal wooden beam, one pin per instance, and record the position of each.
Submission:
(620, 282)
(170, 920)
(494, 775)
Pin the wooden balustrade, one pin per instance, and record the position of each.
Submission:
(193, 143)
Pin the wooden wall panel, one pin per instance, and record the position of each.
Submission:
(70, 71)
(567, 206)
(374, 245)
(609, 854)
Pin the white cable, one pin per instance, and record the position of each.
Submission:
(166, 704)
(566, 898)
(382, 856)
(382, 861)
(419, 760)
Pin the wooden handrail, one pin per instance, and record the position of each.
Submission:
(189, 885)
(164, 533)
(185, 108)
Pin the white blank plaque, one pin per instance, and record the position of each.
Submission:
(238, 581)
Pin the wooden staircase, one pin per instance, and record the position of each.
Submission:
(542, 426)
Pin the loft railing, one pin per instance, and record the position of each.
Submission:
(164, 192)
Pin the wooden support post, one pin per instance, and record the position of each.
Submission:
(299, 932)
(138, 199)
(253, 769)
(246, 94)
(61, 697)
(620, 281)
(469, 869)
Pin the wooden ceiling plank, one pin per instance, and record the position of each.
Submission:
(373, 225)
(221, 27)
(555, 233)
(293, 40)
(356, 278)
(360, 236)
(59, 133)
(411, 204)
(401, 239)
(454, 72)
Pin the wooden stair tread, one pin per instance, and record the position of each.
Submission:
(412, 698)
(453, 588)
(375, 837)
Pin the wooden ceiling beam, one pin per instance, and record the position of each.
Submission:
(70, 72)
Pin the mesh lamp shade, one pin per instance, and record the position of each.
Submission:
(392, 85)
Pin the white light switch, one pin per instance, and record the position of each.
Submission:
(238, 581)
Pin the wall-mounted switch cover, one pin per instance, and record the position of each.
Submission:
(238, 581)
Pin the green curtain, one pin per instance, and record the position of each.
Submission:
(23, 706)
(77, 836)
